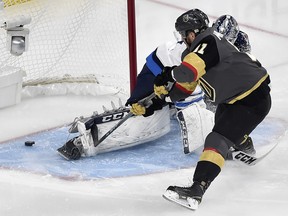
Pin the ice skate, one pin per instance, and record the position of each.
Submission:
(189, 197)
(71, 150)
(246, 146)
(82, 145)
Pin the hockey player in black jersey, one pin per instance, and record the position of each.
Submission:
(193, 107)
(235, 81)
(169, 54)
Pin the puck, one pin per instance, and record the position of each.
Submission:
(29, 143)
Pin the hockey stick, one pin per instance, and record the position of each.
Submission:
(130, 114)
(250, 160)
(145, 102)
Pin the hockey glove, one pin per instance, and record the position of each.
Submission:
(162, 81)
(138, 109)
(157, 104)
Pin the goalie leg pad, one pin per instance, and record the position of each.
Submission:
(195, 124)
(94, 133)
(88, 145)
(193, 98)
(88, 139)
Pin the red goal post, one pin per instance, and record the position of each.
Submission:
(132, 43)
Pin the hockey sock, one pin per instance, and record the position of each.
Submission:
(209, 166)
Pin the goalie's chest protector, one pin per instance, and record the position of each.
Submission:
(234, 75)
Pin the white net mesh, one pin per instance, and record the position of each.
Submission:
(71, 38)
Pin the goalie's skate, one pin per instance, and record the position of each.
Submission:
(71, 150)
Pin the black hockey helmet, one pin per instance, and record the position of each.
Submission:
(227, 26)
(242, 42)
(193, 20)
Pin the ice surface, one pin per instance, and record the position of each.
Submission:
(27, 187)
(162, 155)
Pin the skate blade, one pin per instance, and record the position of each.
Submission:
(63, 154)
(189, 203)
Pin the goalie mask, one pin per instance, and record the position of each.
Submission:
(242, 42)
(228, 27)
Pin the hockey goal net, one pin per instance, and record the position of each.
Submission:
(78, 41)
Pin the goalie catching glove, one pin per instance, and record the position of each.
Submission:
(163, 81)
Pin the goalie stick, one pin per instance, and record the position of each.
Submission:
(130, 114)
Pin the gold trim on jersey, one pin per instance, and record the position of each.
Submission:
(190, 86)
(195, 62)
(245, 94)
(207, 88)
(8, 3)
(213, 157)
